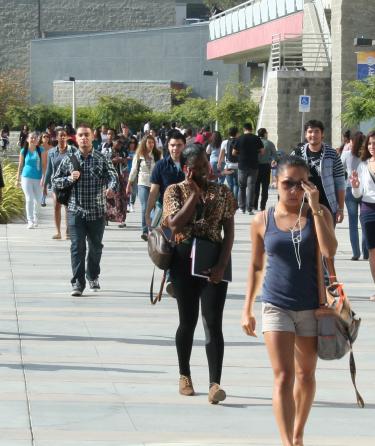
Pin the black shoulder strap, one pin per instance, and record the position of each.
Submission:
(75, 162)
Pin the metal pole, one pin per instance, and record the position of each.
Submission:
(303, 121)
(217, 100)
(74, 104)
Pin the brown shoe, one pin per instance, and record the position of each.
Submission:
(216, 394)
(186, 386)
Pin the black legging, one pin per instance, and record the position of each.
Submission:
(188, 290)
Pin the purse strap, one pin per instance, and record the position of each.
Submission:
(157, 298)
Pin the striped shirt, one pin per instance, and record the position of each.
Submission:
(331, 172)
(88, 195)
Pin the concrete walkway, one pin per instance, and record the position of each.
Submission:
(102, 369)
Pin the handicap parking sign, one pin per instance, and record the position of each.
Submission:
(304, 103)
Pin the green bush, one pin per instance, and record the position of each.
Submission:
(13, 202)
(359, 104)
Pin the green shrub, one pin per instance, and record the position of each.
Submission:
(13, 202)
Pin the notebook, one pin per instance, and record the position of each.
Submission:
(204, 255)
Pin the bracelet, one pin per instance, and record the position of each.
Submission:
(340, 210)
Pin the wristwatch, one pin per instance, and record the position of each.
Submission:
(319, 212)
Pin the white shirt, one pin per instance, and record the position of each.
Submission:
(366, 188)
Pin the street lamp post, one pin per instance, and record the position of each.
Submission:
(214, 73)
(73, 80)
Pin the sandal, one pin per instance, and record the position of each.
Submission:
(56, 237)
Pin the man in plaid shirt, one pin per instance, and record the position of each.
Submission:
(93, 182)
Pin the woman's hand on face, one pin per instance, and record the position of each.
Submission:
(248, 324)
(193, 185)
(312, 193)
(354, 180)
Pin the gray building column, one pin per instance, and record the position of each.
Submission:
(350, 19)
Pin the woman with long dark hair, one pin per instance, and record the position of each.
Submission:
(199, 209)
(363, 186)
(213, 150)
(54, 158)
(144, 161)
(288, 235)
(351, 160)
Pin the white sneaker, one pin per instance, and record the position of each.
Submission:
(35, 225)
(30, 226)
(131, 208)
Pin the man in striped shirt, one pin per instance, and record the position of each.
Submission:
(326, 169)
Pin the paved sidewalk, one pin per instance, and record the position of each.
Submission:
(102, 369)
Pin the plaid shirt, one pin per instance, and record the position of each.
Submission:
(88, 195)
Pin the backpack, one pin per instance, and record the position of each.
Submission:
(229, 151)
(26, 149)
(63, 195)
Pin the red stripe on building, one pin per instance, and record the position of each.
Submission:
(256, 37)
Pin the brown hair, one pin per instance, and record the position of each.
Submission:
(357, 143)
(365, 154)
(142, 149)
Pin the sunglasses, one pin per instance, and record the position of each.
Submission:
(289, 184)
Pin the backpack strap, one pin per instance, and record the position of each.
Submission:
(353, 372)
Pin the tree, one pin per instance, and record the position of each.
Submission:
(195, 112)
(236, 107)
(113, 110)
(12, 91)
(359, 102)
(222, 4)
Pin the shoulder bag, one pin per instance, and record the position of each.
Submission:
(338, 325)
(63, 195)
(160, 251)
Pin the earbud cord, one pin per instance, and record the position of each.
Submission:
(297, 239)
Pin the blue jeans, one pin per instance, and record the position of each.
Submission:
(352, 206)
(81, 229)
(143, 193)
(220, 179)
(232, 181)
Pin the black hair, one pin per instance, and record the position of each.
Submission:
(314, 124)
(175, 134)
(84, 125)
(262, 132)
(291, 161)
(233, 132)
(192, 153)
(347, 134)
(247, 126)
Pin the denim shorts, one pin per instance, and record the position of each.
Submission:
(302, 323)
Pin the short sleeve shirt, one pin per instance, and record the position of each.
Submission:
(218, 205)
(248, 146)
(32, 167)
(165, 173)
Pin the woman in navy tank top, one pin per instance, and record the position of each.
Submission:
(286, 235)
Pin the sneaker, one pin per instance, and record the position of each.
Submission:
(122, 225)
(185, 386)
(76, 290)
(144, 236)
(355, 258)
(169, 289)
(94, 285)
(243, 211)
(216, 394)
(43, 205)
(30, 226)
(131, 208)
(251, 212)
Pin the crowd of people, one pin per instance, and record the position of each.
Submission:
(192, 187)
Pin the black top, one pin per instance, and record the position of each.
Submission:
(314, 160)
(248, 146)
